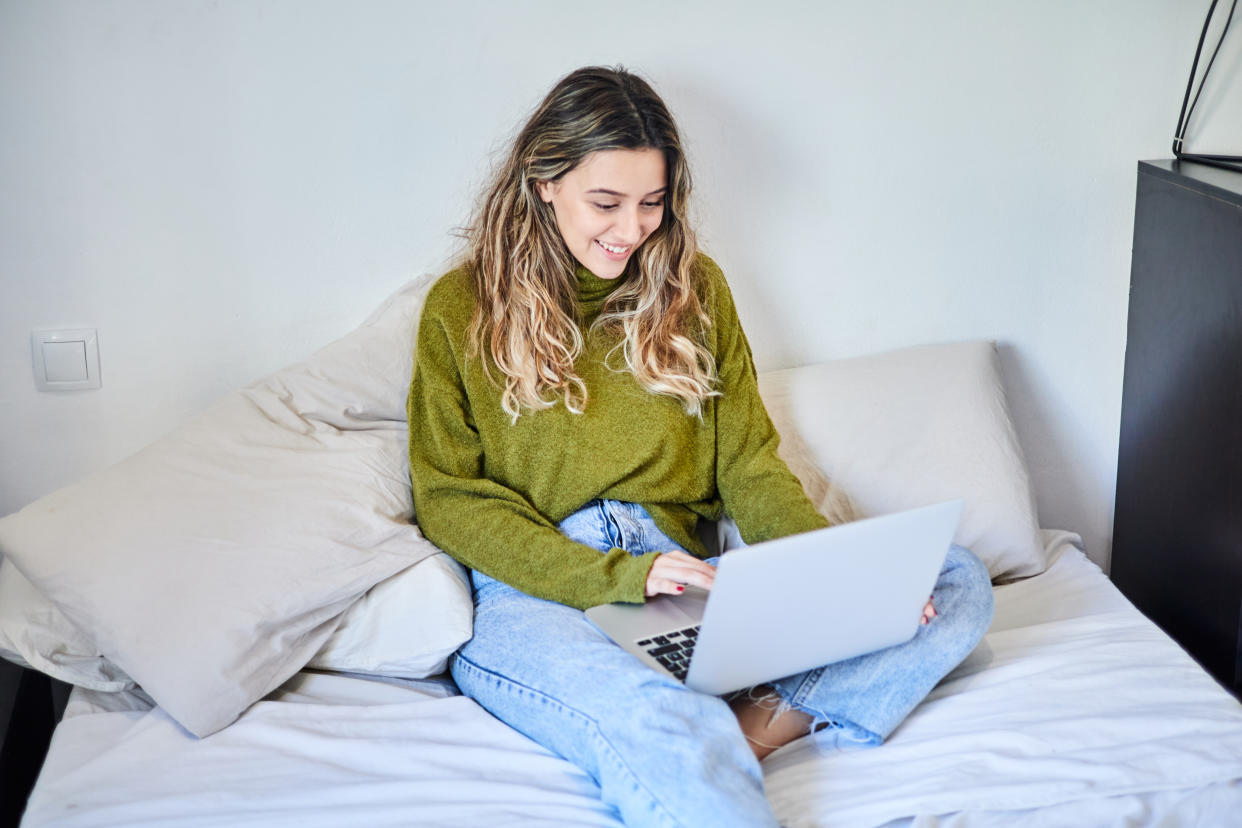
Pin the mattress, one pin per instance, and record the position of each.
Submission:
(1073, 710)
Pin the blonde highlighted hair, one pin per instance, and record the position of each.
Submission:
(526, 320)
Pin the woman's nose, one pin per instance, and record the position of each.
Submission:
(629, 226)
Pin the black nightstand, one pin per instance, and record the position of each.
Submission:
(30, 706)
(1177, 537)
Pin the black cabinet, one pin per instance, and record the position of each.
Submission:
(1177, 538)
(30, 706)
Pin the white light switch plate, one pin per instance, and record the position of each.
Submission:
(66, 360)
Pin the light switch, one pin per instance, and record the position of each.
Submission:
(65, 360)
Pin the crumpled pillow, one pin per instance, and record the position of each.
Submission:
(218, 561)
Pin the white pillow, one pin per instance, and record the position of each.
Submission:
(215, 563)
(406, 626)
(34, 633)
(910, 428)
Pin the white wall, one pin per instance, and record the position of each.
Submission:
(221, 187)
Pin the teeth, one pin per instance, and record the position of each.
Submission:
(613, 248)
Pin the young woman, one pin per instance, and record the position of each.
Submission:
(583, 396)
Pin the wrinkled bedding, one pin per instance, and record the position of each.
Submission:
(1074, 710)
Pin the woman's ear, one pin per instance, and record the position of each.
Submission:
(546, 190)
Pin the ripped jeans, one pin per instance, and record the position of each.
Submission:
(664, 754)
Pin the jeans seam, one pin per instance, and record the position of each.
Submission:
(612, 532)
(508, 683)
(806, 686)
(630, 532)
(637, 540)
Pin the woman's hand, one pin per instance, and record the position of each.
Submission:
(672, 572)
(929, 611)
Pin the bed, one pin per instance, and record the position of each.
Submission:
(258, 635)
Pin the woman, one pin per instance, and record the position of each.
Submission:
(583, 396)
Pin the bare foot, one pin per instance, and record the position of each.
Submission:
(765, 730)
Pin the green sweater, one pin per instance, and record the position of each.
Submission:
(491, 492)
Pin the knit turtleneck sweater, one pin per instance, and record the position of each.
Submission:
(490, 491)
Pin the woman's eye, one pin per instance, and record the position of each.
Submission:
(599, 206)
(653, 204)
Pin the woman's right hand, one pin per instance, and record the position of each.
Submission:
(672, 572)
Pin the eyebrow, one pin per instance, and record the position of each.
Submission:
(622, 195)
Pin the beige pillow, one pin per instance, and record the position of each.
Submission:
(34, 633)
(909, 428)
(215, 563)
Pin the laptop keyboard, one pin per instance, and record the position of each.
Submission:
(672, 649)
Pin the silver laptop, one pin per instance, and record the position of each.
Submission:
(791, 604)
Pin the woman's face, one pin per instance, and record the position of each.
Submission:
(608, 205)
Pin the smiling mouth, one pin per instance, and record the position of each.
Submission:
(615, 249)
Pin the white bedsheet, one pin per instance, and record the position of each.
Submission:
(336, 751)
(1073, 696)
(1074, 710)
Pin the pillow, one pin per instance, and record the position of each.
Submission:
(910, 428)
(406, 626)
(34, 633)
(215, 563)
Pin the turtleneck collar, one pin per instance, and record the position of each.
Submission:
(593, 291)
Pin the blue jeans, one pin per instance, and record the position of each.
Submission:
(664, 754)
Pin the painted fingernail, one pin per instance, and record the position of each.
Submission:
(681, 589)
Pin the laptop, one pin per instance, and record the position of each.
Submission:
(789, 605)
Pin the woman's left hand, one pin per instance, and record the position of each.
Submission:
(929, 612)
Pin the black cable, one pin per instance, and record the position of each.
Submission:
(1180, 132)
(1215, 52)
(1228, 162)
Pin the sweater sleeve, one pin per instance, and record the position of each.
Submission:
(755, 486)
(485, 525)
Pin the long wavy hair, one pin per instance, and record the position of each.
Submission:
(526, 319)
